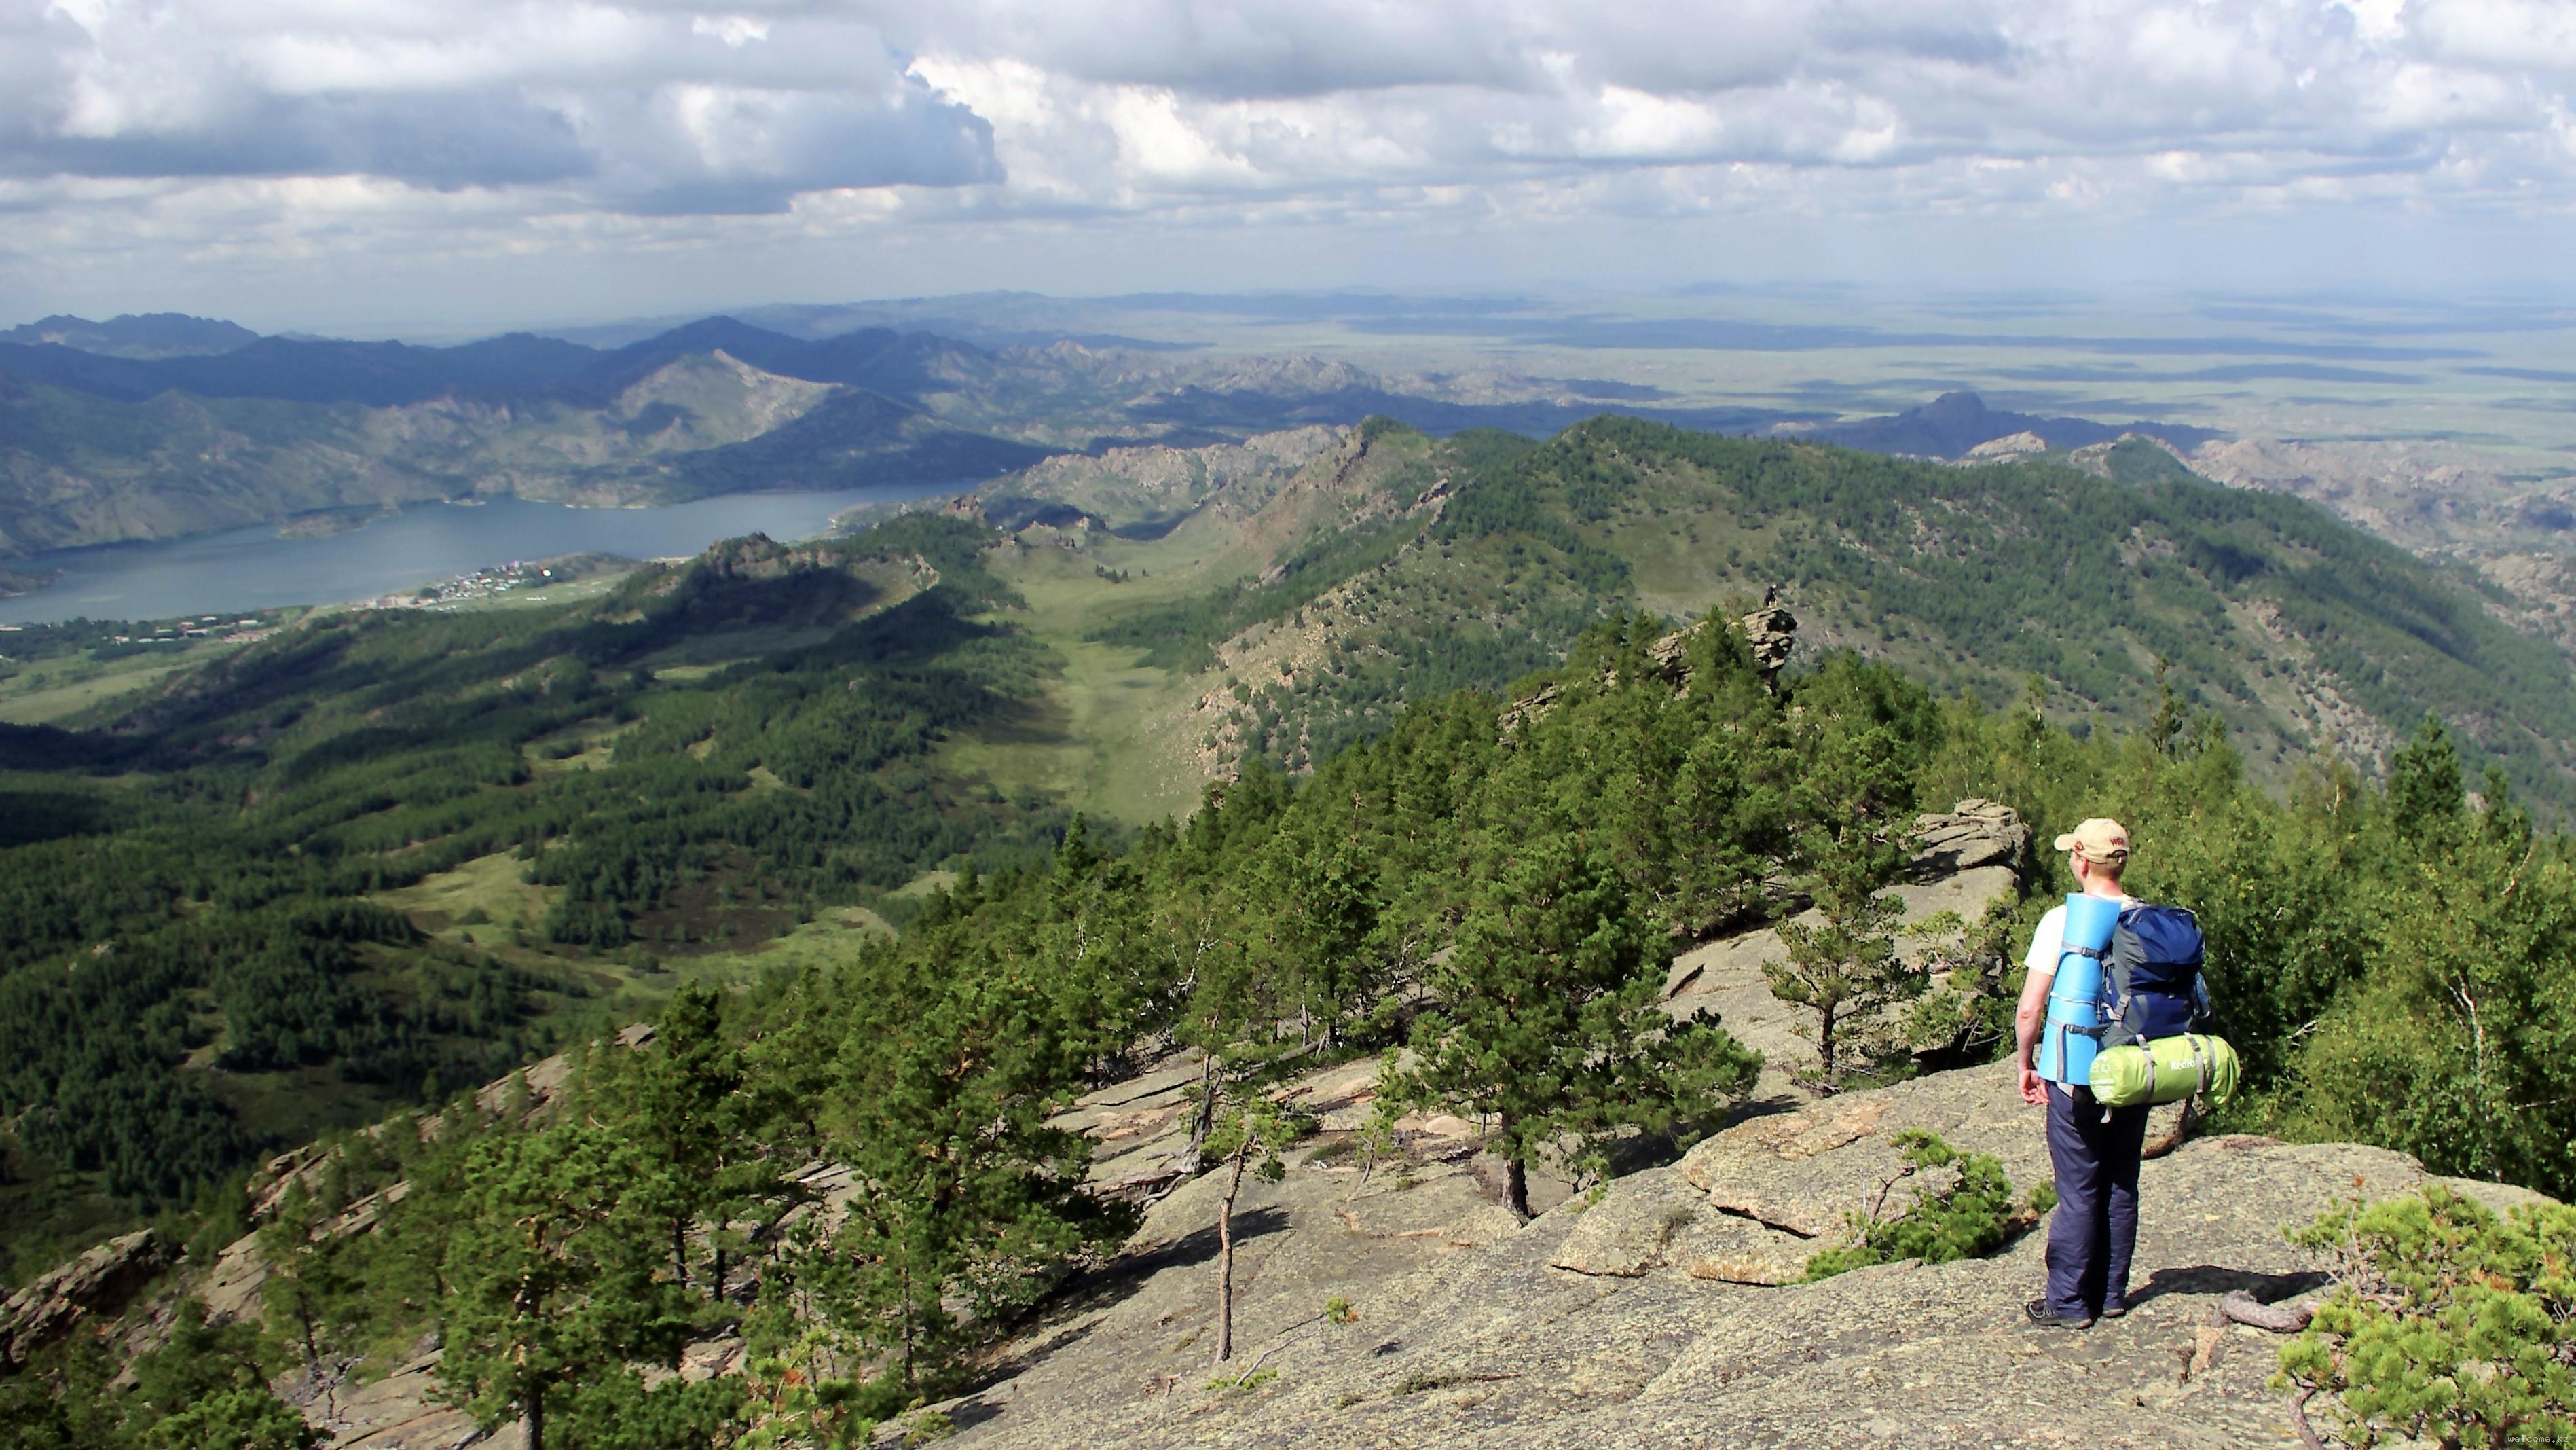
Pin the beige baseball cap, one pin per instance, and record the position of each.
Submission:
(2099, 839)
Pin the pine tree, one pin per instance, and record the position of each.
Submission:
(551, 1261)
(1095, 925)
(2454, 1045)
(1845, 967)
(1311, 902)
(1545, 1018)
(307, 1287)
(246, 1418)
(690, 1097)
(968, 1195)
(207, 1387)
(1252, 1133)
(1238, 1008)
(2164, 728)
(2426, 794)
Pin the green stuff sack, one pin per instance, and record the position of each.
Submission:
(2166, 1070)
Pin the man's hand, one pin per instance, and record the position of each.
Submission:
(2034, 1091)
(2030, 1018)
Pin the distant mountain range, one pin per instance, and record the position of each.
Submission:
(149, 427)
(391, 374)
(149, 335)
(159, 425)
(1954, 423)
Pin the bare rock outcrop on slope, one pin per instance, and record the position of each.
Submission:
(1967, 859)
(1634, 1320)
(97, 1285)
(1976, 833)
(2008, 448)
(1771, 632)
(1155, 485)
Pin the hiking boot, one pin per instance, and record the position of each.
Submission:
(2047, 1318)
(2114, 1311)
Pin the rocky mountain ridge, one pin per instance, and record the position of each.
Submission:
(1664, 1312)
(2255, 603)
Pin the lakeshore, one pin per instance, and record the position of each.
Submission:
(253, 568)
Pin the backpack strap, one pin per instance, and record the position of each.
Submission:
(2118, 1002)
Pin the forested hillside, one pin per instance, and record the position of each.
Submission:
(1466, 561)
(1501, 891)
(389, 853)
(1455, 759)
(393, 853)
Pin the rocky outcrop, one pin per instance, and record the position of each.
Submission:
(1803, 1172)
(2012, 446)
(1772, 632)
(1664, 1313)
(97, 1285)
(400, 1411)
(1968, 860)
(1149, 489)
(1974, 834)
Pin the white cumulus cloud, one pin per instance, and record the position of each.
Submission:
(216, 127)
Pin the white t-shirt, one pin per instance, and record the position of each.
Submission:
(2048, 939)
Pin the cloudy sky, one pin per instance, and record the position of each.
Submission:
(464, 163)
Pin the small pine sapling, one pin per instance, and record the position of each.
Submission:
(1251, 1136)
(1972, 1214)
(2449, 1324)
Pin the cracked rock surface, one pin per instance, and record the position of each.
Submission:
(95, 1285)
(1968, 859)
(1661, 1314)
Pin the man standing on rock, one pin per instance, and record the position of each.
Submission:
(2095, 1153)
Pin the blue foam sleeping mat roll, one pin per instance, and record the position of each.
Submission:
(2068, 1042)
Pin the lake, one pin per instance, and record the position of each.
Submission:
(255, 569)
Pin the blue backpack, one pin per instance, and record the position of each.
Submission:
(2151, 982)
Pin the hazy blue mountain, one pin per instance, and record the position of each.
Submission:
(391, 374)
(377, 374)
(1953, 423)
(852, 437)
(135, 335)
(899, 364)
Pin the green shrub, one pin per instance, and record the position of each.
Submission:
(248, 1418)
(1974, 1215)
(2448, 1324)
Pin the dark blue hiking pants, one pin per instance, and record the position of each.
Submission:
(2095, 1227)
